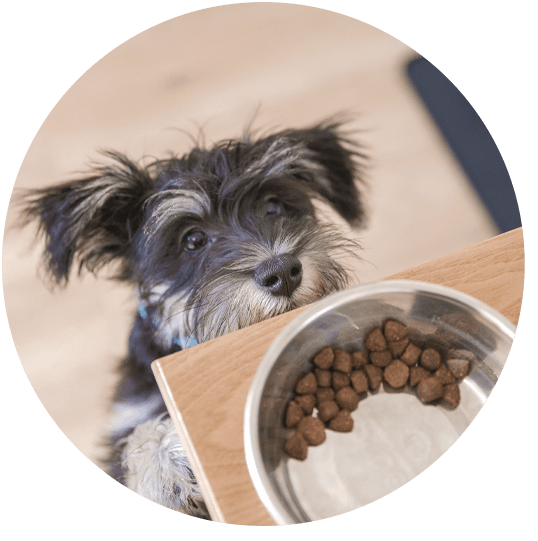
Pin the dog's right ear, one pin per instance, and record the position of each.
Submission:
(341, 161)
(90, 220)
(329, 163)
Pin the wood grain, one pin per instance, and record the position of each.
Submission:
(491, 271)
(206, 387)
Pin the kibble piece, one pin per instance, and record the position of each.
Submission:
(394, 331)
(444, 375)
(323, 377)
(411, 355)
(396, 374)
(307, 402)
(417, 374)
(324, 359)
(359, 381)
(397, 348)
(294, 414)
(358, 359)
(347, 399)
(307, 384)
(451, 394)
(458, 367)
(296, 446)
(342, 362)
(374, 375)
(381, 358)
(342, 422)
(312, 429)
(430, 359)
(430, 389)
(323, 394)
(375, 341)
(340, 380)
(327, 410)
(461, 354)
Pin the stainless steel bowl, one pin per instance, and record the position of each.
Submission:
(395, 436)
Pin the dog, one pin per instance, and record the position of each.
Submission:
(211, 242)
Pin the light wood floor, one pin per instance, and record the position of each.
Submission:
(215, 68)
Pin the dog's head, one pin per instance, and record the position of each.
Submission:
(215, 240)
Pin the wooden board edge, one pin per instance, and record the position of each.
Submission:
(198, 470)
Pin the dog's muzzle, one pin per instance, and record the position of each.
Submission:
(280, 275)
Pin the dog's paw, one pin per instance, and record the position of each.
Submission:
(156, 467)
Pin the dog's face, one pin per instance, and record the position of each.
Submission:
(215, 240)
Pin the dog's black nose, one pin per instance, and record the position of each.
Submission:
(280, 275)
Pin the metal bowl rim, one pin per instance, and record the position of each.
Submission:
(252, 449)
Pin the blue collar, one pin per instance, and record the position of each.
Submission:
(183, 343)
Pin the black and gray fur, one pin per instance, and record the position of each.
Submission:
(212, 242)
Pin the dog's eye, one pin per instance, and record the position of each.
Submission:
(194, 240)
(273, 207)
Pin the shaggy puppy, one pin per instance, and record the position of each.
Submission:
(211, 241)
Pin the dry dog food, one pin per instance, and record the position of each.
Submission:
(444, 375)
(338, 380)
(375, 341)
(375, 376)
(347, 399)
(296, 446)
(359, 381)
(324, 359)
(342, 362)
(294, 414)
(396, 374)
(458, 367)
(312, 429)
(307, 384)
(307, 403)
(430, 359)
(417, 374)
(451, 394)
(342, 422)
(327, 410)
(381, 358)
(411, 355)
(324, 394)
(323, 377)
(430, 389)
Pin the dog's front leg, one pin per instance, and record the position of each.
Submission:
(156, 467)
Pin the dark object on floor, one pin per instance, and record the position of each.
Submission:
(470, 141)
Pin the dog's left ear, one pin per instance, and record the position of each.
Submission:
(90, 220)
(336, 174)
